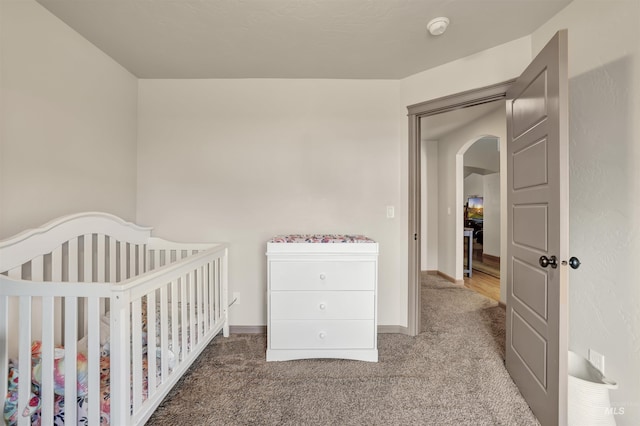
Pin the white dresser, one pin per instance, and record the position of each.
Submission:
(322, 297)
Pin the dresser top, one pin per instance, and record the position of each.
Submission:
(321, 238)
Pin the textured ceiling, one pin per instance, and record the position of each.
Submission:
(360, 39)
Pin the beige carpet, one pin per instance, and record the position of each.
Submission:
(451, 374)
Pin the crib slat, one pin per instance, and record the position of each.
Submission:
(123, 261)
(93, 355)
(112, 260)
(37, 268)
(74, 275)
(164, 330)
(101, 265)
(193, 308)
(184, 325)
(74, 263)
(205, 298)
(120, 361)
(151, 342)
(48, 344)
(57, 260)
(156, 259)
(216, 278)
(136, 343)
(132, 260)
(140, 262)
(13, 315)
(88, 276)
(174, 319)
(9, 314)
(101, 259)
(70, 355)
(212, 293)
(193, 331)
(24, 351)
(224, 287)
(199, 303)
(37, 274)
(88, 258)
(56, 264)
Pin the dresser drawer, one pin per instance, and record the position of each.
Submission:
(322, 305)
(349, 334)
(322, 275)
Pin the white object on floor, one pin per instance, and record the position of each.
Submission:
(589, 402)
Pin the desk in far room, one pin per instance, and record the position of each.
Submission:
(468, 233)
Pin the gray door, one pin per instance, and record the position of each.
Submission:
(537, 143)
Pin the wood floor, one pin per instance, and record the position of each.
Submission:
(484, 284)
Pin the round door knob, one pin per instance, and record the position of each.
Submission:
(322, 335)
(323, 276)
(546, 261)
(322, 306)
(574, 262)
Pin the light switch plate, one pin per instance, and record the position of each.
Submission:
(391, 212)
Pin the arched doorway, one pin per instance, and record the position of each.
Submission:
(478, 195)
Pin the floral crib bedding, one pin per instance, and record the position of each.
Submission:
(11, 412)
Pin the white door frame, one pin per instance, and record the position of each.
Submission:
(466, 99)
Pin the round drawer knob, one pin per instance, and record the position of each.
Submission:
(322, 335)
(323, 276)
(322, 306)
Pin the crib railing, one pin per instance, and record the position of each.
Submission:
(72, 249)
(57, 282)
(46, 295)
(185, 304)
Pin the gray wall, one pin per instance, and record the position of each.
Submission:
(69, 123)
(245, 160)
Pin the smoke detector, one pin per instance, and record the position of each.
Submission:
(438, 26)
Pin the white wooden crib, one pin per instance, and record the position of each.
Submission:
(91, 283)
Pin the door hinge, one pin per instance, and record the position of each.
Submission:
(415, 237)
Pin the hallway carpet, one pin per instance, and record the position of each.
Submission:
(451, 374)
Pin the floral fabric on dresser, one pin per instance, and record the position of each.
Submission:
(321, 238)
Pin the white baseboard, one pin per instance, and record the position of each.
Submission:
(393, 329)
(248, 329)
